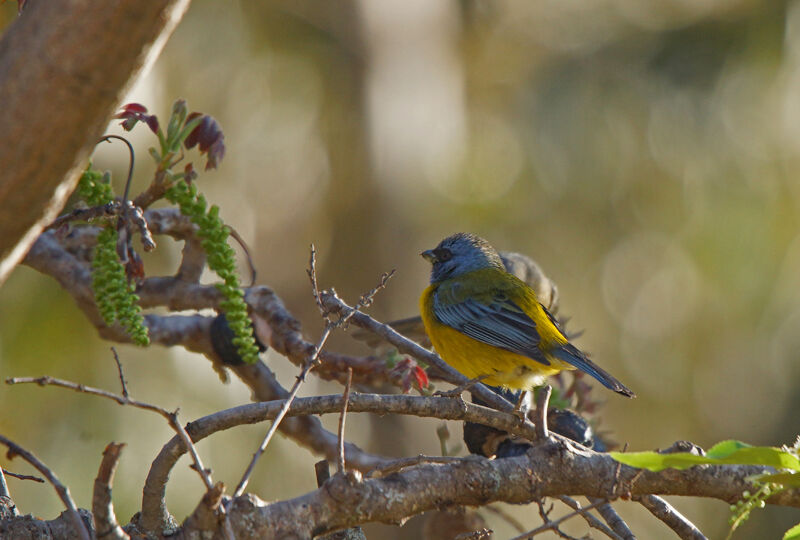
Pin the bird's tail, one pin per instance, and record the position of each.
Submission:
(571, 355)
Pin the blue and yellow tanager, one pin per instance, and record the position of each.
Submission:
(488, 323)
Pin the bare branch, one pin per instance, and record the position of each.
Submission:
(611, 516)
(284, 409)
(62, 490)
(664, 511)
(121, 374)
(552, 525)
(552, 467)
(590, 519)
(171, 417)
(23, 476)
(335, 305)
(105, 521)
(85, 214)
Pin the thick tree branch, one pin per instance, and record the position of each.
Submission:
(60, 56)
(553, 467)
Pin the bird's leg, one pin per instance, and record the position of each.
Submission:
(523, 405)
(456, 392)
(542, 403)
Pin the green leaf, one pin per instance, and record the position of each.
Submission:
(787, 479)
(793, 533)
(723, 453)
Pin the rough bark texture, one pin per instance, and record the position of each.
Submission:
(64, 67)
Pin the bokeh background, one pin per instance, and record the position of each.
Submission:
(646, 154)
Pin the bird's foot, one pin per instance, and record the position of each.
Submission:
(523, 406)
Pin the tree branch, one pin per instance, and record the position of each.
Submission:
(105, 521)
(552, 467)
(76, 79)
(80, 528)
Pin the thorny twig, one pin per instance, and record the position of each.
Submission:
(310, 363)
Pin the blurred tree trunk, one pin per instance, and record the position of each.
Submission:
(64, 66)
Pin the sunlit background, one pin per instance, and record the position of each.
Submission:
(645, 153)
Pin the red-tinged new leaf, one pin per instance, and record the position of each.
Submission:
(152, 123)
(209, 139)
(421, 377)
(215, 153)
(129, 108)
(131, 113)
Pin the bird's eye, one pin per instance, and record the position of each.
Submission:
(443, 254)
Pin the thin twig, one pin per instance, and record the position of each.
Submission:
(590, 519)
(312, 276)
(404, 345)
(404, 463)
(664, 511)
(172, 417)
(249, 258)
(312, 361)
(553, 525)
(121, 374)
(342, 418)
(505, 516)
(86, 214)
(613, 519)
(62, 490)
(458, 390)
(23, 476)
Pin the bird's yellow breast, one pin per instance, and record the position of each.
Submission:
(474, 358)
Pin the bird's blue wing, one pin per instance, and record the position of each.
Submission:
(500, 323)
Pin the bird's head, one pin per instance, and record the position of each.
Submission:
(459, 254)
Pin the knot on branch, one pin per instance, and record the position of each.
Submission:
(345, 489)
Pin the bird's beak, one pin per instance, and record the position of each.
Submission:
(429, 256)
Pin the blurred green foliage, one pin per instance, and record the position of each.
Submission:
(646, 154)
